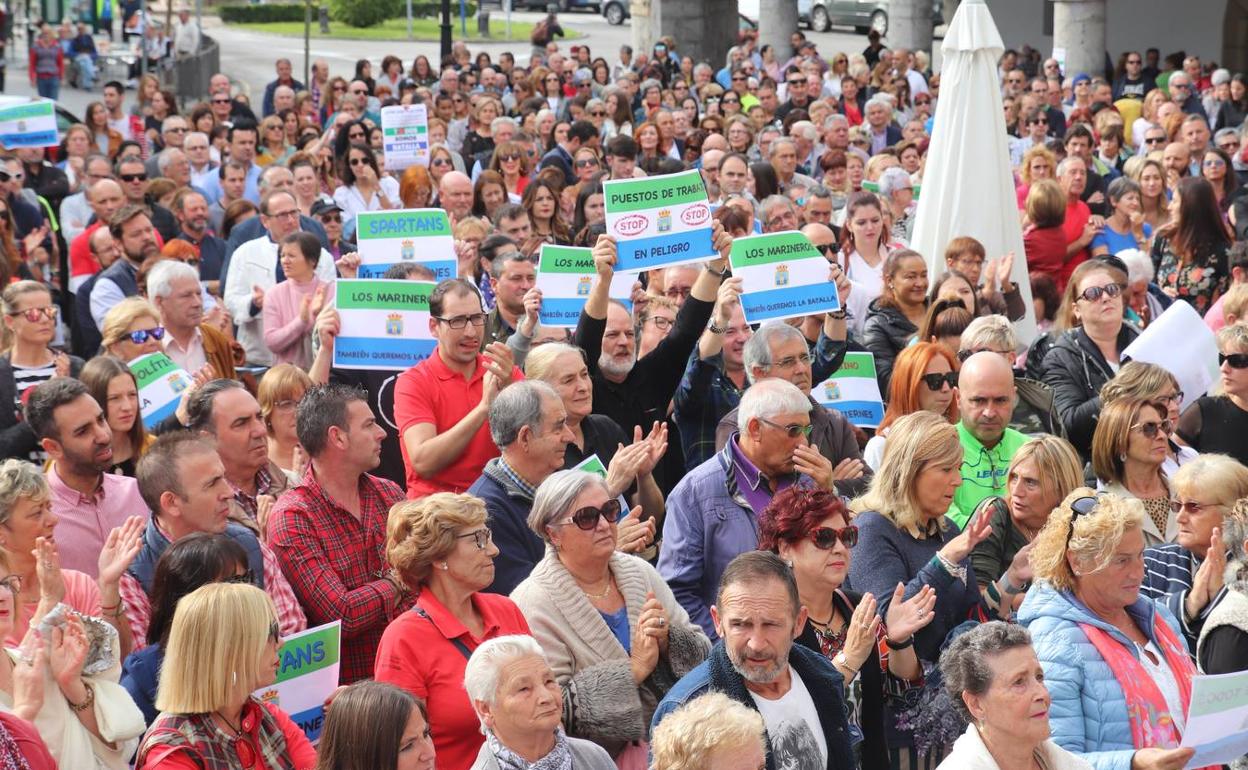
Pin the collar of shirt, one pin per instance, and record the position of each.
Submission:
(751, 482)
(197, 341)
(449, 625)
(72, 496)
(444, 372)
(264, 483)
(516, 479)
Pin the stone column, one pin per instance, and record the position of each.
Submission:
(703, 29)
(1079, 28)
(777, 20)
(910, 25)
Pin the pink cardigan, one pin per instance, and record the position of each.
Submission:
(284, 330)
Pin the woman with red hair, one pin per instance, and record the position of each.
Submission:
(925, 378)
(810, 529)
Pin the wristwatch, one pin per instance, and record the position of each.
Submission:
(713, 329)
(727, 271)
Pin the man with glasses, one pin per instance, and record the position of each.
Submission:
(441, 405)
(712, 513)
(181, 478)
(254, 268)
(1154, 139)
(1015, 82)
(219, 84)
(1133, 83)
(530, 427)
(797, 93)
(986, 400)
(329, 531)
(131, 171)
(132, 228)
(1228, 140)
(273, 178)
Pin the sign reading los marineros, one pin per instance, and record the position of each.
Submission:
(566, 274)
(783, 276)
(423, 236)
(383, 324)
(659, 221)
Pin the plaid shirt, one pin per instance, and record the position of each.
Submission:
(289, 614)
(704, 396)
(335, 562)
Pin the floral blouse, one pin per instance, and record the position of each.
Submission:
(1199, 283)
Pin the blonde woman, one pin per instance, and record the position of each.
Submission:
(273, 145)
(1039, 162)
(131, 329)
(711, 730)
(222, 648)
(1151, 382)
(278, 393)
(1116, 666)
(27, 360)
(1219, 423)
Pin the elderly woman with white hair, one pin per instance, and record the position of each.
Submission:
(710, 731)
(897, 192)
(520, 704)
(615, 636)
(1144, 299)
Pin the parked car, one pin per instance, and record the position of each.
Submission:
(862, 15)
(563, 5)
(616, 12)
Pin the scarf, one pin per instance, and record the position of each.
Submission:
(11, 757)
(559, 758)
(1152, 725)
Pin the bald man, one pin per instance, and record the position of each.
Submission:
(986, 397)
(455, 195)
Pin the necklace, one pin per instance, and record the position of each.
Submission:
(238, 731)
(602, 595)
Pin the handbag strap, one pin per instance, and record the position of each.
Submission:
(459, 644)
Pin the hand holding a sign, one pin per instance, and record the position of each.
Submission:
(1208, 580)
(1161, 759)
(605, 252)
(837, 276)
(721, 240)
(349, 265)
(198, 379)
(632, 533)
(532, 311)
(327, 325)
(727, 300)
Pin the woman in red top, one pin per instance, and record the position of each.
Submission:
(221, 649)
(1044, 240)
(443, 549)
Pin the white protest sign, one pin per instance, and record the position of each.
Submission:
(306, 675)
(422, 236)
(659, 221)
(1179, 341)
(28, 124)
(853, 390)
(1217, 719)
(565, 274)
(783, 276)
(405, 136)
(382, 324)
(160, 382)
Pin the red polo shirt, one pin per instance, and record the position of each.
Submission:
(431, 392)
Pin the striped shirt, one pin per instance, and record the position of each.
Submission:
(1168, 571)
(25, 378)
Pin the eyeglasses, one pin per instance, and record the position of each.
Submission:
(1176, 399)
(176, 130)
(963, 355)
(738, 78)
(227, 101)
(1213, 162)
(1183, 86)
(1177, 506)
(1083, 506)
(1231, 146)
(1154, 139)
(35, 313)
(791, 361)
(242, 579)
(359, 162)
(662, 323)
(792, 431)
(481, 537)
(793, 83)
(1236, 360)
(440, 162)
(285, 405)
(1134, 61)
(1093, 293)
(7, 175)
(587, 518)
(140, 336)
(597, 114)
(1150, 429)
(936, 381)
(460, 321)
(133, 177)
(12, 582)
(292, 214)
(327, 218)
(825, 538)
(509, 157)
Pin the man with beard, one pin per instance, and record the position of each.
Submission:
(87, 502)
(190, 208)
(631, 391)
(225, 410)
(133, 230)
(759, 614)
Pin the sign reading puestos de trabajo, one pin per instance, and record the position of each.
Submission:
(783, 276)
(382, 324)
(565, 274)
(161, 383)
(306, 675)
(659, 221)
(422, 236)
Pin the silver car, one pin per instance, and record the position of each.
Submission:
(862, 15)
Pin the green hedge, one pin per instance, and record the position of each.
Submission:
(357, 13)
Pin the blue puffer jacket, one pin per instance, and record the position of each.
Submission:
(1088, 715)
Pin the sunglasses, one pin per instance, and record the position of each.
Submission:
(597, 114)
(227, 101)
(587, 518)
(133, 177)
(825, 538)
(359, 162)
(35, 313)
(325, 218)
(1177, 506)
(440, 162)
(1154, 139)
(792, 431)
(1236, 360)
(739, 78)
(139, 337)
(1151, 429)
(795, 83)
(590, 163)
(1093, 293)
(509, 157)
(1083, 506)
(6, 176)
(936, 381)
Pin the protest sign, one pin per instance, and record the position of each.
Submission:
(382, 324)
(405, 136)
(591, 464)
(422, 236)
(160, 383)
(1179, 340)
(853, 391)
(659, 221)
(782, 276)
(307, 673)
(565, 275)
(28, 124)
(1217, 719)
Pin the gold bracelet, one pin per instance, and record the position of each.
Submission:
(80, 707)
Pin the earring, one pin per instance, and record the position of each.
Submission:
(789, 563)
(1123, 457)
(444, 565)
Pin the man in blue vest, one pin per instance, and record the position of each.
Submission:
(132, 230)
(182, 479)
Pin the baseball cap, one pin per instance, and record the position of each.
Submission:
(324, 206)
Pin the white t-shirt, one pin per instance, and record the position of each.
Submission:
(793, 726)
(867, 282)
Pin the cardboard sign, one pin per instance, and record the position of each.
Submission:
(307, 674)
(566, 275)
(28, 124)
(853, 391)
(161, 383)
(422, 236)
(659, 221)
(383, 324)
(405, 136)
(783, 276)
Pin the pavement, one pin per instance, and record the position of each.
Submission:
(248, 57)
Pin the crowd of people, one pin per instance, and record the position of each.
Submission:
(1023, 565)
